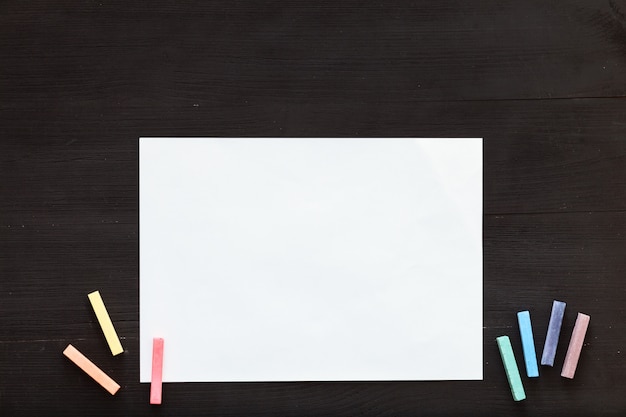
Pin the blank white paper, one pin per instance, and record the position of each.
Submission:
(311, 259)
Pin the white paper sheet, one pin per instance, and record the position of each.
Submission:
(311, 259)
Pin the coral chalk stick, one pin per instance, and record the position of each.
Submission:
(91, 369)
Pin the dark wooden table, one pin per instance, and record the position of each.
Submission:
(543, 81)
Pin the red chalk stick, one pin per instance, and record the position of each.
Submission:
(156, 383)
(575, 346)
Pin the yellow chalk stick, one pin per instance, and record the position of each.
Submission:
(105, 323)
(91, 369)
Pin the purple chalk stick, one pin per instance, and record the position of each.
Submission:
(554, 330)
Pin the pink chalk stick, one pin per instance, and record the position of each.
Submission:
(575, 346)
(156, 383)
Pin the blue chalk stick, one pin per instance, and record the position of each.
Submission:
(528, 344)
(554, 330)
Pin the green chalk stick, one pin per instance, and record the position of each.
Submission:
(510, 366)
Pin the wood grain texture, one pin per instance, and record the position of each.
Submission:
(544, 83)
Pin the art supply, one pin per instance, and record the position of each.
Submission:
(91, 369)
(554, 331)
(510, 367)
(105, 323)
(528, 344)
(156, 383)
(575, 346)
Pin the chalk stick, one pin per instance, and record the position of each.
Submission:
(554, 331)
(528, 344)
(156, 382)
(575, 346)
(91, 369)
(510, 367)
(105, 323)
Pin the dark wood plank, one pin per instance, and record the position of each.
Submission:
(52, 383)
(247, 52)
(71, 209)
(540, 156)
(530, 259)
